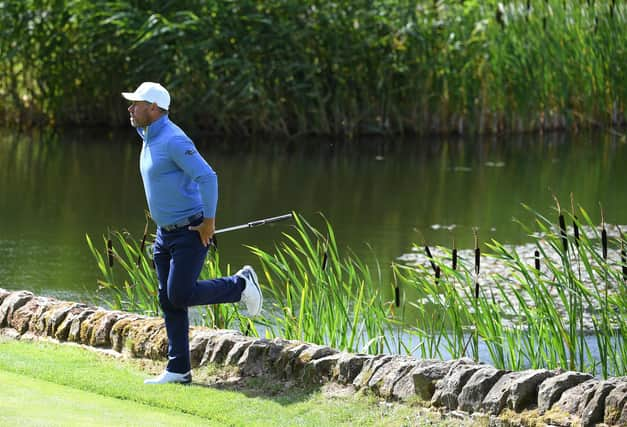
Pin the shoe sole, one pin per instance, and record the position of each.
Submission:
(184, 382)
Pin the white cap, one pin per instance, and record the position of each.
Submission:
(150, 92)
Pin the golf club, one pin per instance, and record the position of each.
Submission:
(256, 223)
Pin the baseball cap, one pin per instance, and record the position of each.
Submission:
(150, 92)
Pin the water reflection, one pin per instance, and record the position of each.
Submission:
(388, 193)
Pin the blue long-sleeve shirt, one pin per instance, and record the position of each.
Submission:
(177, 180)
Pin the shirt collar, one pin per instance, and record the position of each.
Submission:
(155, 127)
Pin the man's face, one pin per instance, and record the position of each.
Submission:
(141, 113)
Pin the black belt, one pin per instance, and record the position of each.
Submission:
(187, 221)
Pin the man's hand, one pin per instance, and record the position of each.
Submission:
(205, 229)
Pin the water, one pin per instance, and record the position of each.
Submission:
(381, 196)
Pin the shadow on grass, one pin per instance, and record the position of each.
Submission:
(267, 386)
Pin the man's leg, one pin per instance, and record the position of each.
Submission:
(184, 289)
(176, 318)
(179, 260)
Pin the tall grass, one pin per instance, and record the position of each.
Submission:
(345, 67)
(316, 293)
(320, 295)
(133, 285)
(129, 282)
(561, 304)
(527, 317)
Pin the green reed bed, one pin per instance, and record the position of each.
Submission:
(320, 295)
(128, 277)
(129, 281)
(313, 292)
(562, 306)
(525, 316)
(348, 67)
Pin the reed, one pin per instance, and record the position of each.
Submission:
(130, 283)
(527, 316)
(295, 67)
(542, 309)
(321, 295)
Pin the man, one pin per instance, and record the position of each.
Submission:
(182, 194)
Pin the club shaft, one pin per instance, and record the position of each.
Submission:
(255, 223)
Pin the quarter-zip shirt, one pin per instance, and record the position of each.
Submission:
(177, 180)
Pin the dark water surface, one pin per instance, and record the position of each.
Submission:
(381, 196)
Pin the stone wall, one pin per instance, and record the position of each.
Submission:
(531, 397)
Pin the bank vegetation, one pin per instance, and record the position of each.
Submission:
(344, 67)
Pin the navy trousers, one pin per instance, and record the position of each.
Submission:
(179, 256)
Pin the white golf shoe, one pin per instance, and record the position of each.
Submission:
(170, 377)
(251, 295)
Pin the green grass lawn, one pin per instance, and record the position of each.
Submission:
(52, 404)
(44, 383)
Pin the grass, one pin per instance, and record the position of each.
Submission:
(52, 404)
(54, 384)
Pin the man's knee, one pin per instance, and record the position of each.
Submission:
(178, 299)
(171, 302)
(164, 302)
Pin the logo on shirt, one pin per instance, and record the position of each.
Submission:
(190, 152)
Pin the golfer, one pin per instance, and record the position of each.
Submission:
(182, 194)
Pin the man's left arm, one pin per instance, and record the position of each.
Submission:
(208, 187)
(187, 157)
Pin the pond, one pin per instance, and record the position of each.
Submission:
(380, 195)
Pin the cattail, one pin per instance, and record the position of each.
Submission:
(397, 296)
(477, 255)
(142, 245)
(454, 258)
(562, 223)
(575, 225)
(603, 235)
(563, 232)
(596, 24)
(110, 252)
(623, 255)
(477, 263)
(428, 251)
(499, 15)
(437, 274)
(536, 256)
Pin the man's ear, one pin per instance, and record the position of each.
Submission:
(154, 110)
